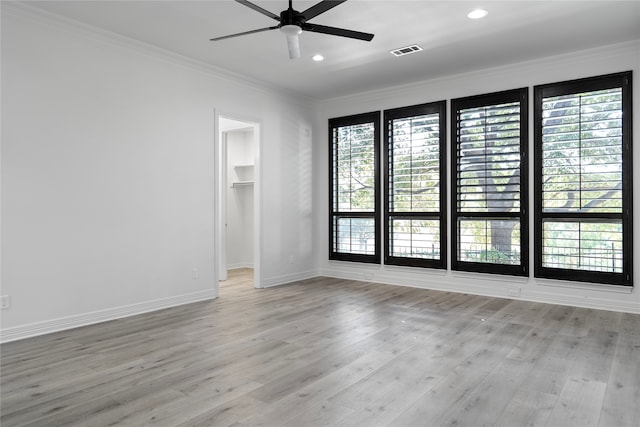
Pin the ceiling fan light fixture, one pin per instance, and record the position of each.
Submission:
(291, 30)
(293, 42)
(291, 23)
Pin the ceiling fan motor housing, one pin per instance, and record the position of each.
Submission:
(292, 22)
(291, 17)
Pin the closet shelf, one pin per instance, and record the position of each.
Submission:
(242, 184)
(243, 176)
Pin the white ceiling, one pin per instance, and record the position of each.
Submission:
(514, 31)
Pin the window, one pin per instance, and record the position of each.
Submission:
(489, 218)
(583, 180)
(354, 188)
(415, 203)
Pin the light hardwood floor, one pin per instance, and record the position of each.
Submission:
(328, 352)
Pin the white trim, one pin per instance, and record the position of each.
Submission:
(222, 166)
(70, 322)
(288, 278)
(490, 277)
(585, 301)
(221, 188)
(393, 92)
(239, 265)
(584, 286)
(435, 281)
(258, 139)
(24, 10)
(497, 287)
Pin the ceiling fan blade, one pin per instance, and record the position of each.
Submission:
(244, 33)
(315, 28)
(293, 43)
(259, 9)
(321, 7)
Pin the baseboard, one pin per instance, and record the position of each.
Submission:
(237, 265)
(288, 278)
(480, 287)
(64, 323)
(497, 286)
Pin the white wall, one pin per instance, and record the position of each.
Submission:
(239, 208)
(108, 178)
(287, 228)
(108, 175)
(581, 64)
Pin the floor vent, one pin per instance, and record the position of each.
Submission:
(406, 50)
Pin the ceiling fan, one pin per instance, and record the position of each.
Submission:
(291, 23)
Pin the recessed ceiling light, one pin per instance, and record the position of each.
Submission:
(317, 57)
(477, 14)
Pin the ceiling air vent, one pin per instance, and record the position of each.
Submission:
(406, 50)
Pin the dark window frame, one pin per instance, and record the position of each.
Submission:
(617, 80)
(520, 95)
(334, 215)
(440, 108)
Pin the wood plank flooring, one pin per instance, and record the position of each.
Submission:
(328, 352)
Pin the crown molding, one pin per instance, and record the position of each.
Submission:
(57, 22)
(628, 49)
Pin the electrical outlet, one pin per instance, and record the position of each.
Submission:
(5, 302)
(291, 259)
(514, 292)
(194, 273)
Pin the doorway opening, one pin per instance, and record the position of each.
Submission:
(238, 213)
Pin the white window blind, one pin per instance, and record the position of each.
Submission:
(414, 217)
(582, 173)
(354, 186)
(583, 180)
(490, 227)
